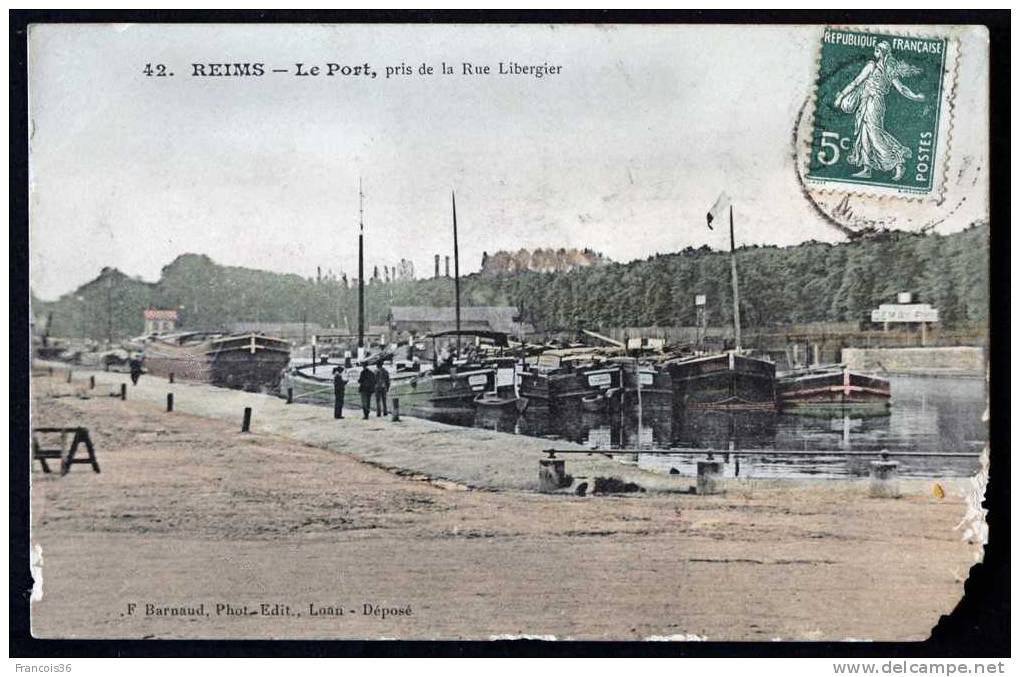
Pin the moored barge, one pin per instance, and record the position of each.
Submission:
(555, 384)
(248, 361)
(723, 381)
(833, 388)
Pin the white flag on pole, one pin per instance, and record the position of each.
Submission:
(719, 208)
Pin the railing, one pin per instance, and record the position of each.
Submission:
(883, 454)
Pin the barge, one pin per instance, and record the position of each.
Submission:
(723, 381)
(247, 361)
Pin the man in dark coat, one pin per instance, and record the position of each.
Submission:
(366, 387)
(382, 386)
(135, 366)
(339, 384)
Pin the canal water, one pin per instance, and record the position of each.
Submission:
(926, 415)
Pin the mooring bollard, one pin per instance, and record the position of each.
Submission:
(169, 401)
(552, 475)
(123, 391)
(246, 423)
(171, 377)
(885, 482)
(396, 409)
(69, 375)
(290, 396)
(92, 382)
(709, 478)
(50, 369)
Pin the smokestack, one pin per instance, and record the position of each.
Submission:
(448, 266)
(437, 265)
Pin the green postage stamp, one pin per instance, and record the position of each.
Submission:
(883, 113)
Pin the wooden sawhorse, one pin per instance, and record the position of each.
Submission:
(64, 452)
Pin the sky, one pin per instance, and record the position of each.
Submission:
(623, 151)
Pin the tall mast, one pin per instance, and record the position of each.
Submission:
(361, 268)
(456, 269)
(736, 291)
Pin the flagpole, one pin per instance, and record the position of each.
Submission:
(736, 291)
(361, 270)
(456, 269)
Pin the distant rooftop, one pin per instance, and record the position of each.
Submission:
(440, 318)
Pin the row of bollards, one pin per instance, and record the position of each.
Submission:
(246, 420)
(884, 479)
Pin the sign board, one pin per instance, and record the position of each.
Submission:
(603, 379)
(546, 360)
(505, 377)
(904, 297)
(700, 299)
(646, 379)
(477, 379)
(649, 343)
(913, 312)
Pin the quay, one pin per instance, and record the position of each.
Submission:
(474, 458)
(306, 511)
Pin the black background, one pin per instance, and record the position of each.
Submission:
(978, 627)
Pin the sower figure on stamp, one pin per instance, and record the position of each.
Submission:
(873, 146)
(382, 387)
(339, 384)
(366, 387)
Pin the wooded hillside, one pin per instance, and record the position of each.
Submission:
(811, 282)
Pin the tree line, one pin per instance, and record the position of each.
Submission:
(810, 282)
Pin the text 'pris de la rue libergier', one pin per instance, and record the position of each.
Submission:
(365, 70)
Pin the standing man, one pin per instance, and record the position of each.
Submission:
(339, 384)
(382, 386)
(135, 365)
(366, 386)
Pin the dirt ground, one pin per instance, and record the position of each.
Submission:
(258, 535)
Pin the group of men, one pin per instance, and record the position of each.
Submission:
(371, 382)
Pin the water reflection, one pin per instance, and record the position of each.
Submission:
(927, 414)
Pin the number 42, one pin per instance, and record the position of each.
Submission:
(831, 142)
(159, 70)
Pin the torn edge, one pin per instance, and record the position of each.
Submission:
(35, 566)
(689, 637)
(974, 524)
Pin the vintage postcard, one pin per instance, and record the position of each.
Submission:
(488, 331)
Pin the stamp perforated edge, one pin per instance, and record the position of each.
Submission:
(945, 127)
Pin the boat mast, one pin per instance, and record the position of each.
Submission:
(736, 291)
(361, 269)
(456, 270)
